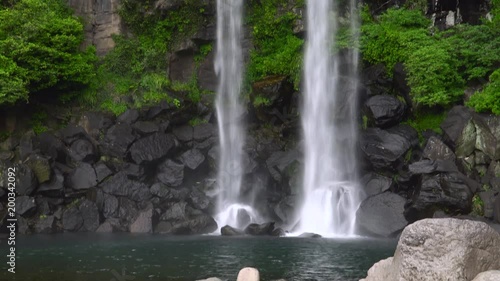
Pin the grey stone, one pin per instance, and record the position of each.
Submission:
(45, 225)
(83, 150)
(435, 149)
(117, 140)
(385, 110)
(382, 214)
(203, 131)
(184, 133)
(171, 173)
(441, 249)
(72, 219)
(90, 215)
(129, 116)
(25, 205)
(145, 127)
(40, 166)
(192, 158)
(151, 148)
(143, 222)
(82, 177)
(490, 275)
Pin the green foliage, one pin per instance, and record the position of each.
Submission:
(427, 120)
(476, 48)
(394, 36)
(433, 76)
(38, 121)
(261, 101)
(439, 64)
(40, 49)
(488, 100)
(197, 121)
(116, 108)
(277, 50)
(477, 206)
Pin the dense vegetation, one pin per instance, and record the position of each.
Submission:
(440, 65)
(40, 50)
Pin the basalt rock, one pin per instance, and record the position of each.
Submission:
(171, 173)
(151, 148)
(117, 140)
(382, 214)
(385, 110)
(82, 177)
(260, 229)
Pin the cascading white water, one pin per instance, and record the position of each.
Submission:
(331, 193)
(229, 66)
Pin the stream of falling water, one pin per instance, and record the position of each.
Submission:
(229, 68)
(331, 192)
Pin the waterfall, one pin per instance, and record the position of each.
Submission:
(229, 107)
(331, 192)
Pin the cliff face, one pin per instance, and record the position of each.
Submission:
(102, 21)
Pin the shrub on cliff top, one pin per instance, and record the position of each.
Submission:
(40, 49)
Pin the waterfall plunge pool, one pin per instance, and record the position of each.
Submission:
(79, 257)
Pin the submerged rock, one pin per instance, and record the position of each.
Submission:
(441, 249)
(230, 231)
(260, 229)
(310, 235)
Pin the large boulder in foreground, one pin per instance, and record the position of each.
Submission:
(441, 249)
(382, 214)
(491, 275)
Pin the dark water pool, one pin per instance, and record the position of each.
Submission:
(128, 257)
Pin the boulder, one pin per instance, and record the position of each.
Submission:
(176, 212)
(383, 149)
(83, 150)
(171, 173)
(129, 116)
(90, 215)
(440, 186)
(143, 223)
(248, 274)
(45, 224)
(40, 166)
(496, 210)
(151, 148)
(278, 232)
(441, 249)
(53, 147)
(73, 132)
(117, 140)
(27, 145)
(121, 185)
(198, 199)
(230, 231)
(105, 227)
(82, 177)
(309, 235)
(160, 190)
(375, 184)
(385, 110)
(145, 127)
(259, 229)
(382, 214)
(25, 205)
(184, 133)
(485, 139)
(102, 171)
(55, 185)
(459, 130)
(72, 219)
(490, 275)
(435, 149)
(26, 181)
(127, 211)
(192, 158)
(110, 206)
(203, 131)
